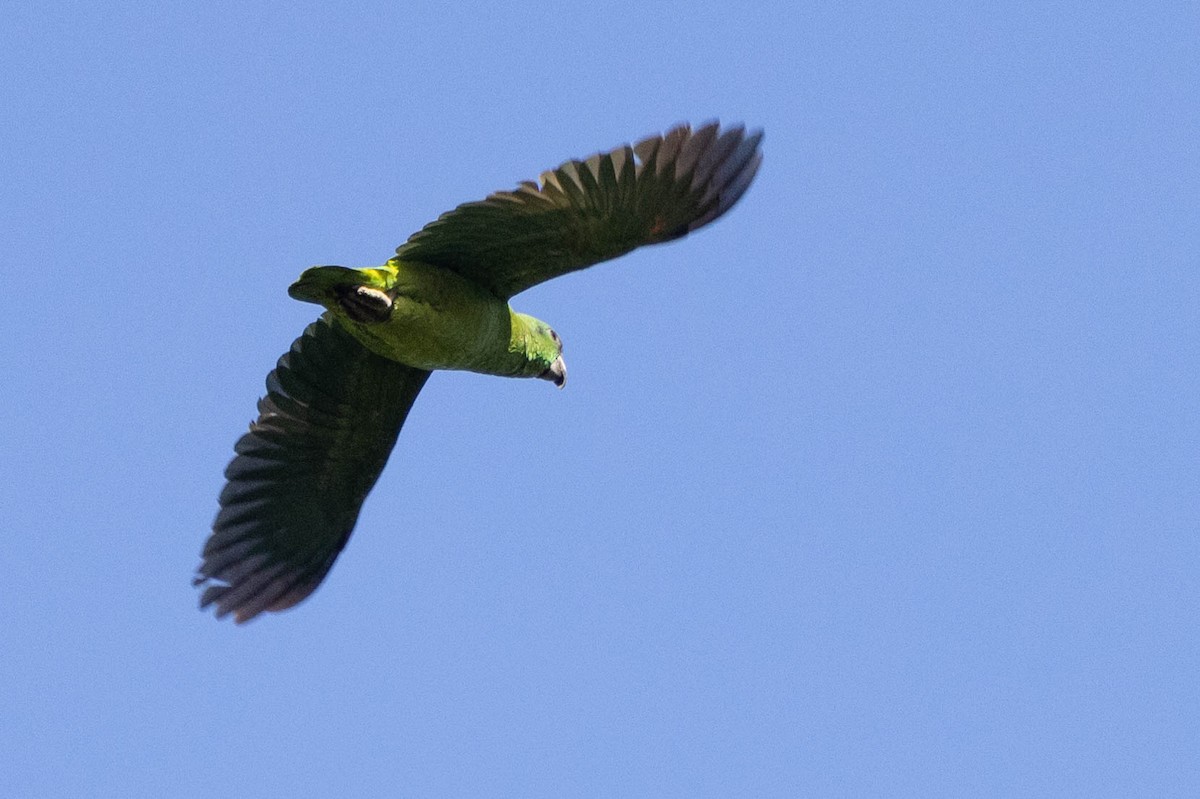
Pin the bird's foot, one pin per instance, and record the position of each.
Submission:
(365, 304)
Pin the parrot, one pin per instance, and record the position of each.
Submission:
(336, 401)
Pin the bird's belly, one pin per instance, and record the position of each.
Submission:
(439, 322)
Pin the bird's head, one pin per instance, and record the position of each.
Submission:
(542, 350)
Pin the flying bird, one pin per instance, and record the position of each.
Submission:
(336, 401)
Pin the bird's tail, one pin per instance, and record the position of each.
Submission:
(325, 285)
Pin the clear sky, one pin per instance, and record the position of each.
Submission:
(884, 485)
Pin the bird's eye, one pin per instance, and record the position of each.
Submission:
(554, 335)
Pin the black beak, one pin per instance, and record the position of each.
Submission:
(557, 373)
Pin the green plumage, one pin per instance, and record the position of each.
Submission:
(336, 402)
(325, 428)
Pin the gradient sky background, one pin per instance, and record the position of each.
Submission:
(884, 485)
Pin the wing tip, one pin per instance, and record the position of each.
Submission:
(249, 592)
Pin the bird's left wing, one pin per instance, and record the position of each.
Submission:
(325, 429)
(588, 211)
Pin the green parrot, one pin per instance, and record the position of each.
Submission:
(336, 401)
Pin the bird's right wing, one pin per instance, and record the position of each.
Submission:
(331, 415)
(588, 211)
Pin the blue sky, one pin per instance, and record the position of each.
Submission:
(884, 485)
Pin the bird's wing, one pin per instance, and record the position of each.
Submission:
(325, 428)
(588, 211)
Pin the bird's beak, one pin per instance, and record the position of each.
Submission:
(557, 373)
